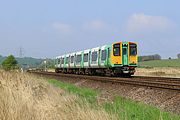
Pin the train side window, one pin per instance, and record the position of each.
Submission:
(94, 56)
(103, 55)
(116, 49)
(58, 60)
(133, 49)
(78, 58)
(62, 62)
(67, 60)
(86, 57)
(72, 59)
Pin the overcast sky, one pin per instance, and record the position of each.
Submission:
(48, 28)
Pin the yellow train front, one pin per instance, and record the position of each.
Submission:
(124, 58)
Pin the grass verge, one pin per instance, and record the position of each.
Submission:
(130, 110)
(123, 108)
(89, 94)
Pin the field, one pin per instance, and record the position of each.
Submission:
(160, 63)
(166, 68)
(158, 71)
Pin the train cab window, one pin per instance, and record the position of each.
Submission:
(133, 49)
(86, 57)
(62, 62)
(94, 56)
(78, 58)
(116, 49)
(103, 55)
(72, 59)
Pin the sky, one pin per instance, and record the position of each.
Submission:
(49, 28)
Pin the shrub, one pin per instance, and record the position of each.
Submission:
(9, 63)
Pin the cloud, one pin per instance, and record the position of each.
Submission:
(142, 22)
(62, 27)
(95, 25)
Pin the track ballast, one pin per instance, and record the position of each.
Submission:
(154, 82)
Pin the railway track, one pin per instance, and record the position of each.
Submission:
(155, 82)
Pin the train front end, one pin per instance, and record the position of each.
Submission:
(124, 58)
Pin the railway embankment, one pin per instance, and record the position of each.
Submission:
(165, 99)
(28, 96)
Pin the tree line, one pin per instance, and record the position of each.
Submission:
(149, 57)
(153, 57)
(11, 63)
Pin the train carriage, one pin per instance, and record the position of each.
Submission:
(119, 58)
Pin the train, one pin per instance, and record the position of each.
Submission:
(116, 59)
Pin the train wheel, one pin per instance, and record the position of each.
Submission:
(57, 71)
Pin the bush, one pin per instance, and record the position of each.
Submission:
(9, 63)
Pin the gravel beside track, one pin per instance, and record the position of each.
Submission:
(161, 92)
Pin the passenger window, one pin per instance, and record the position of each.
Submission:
(94, 56)
(62, 62)
(78, 59)
(58, 61)
(67, 60)
(72, 59)
(86, 57)
(116, 49)
(103, 55)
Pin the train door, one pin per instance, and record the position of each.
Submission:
(125, 54)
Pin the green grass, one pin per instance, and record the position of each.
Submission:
(161, 63)
(89, 94)
(125, 109)
(130, 110)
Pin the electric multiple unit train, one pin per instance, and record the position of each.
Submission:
(114, 59)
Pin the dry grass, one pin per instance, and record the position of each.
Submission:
(158, 71)
(26, 97)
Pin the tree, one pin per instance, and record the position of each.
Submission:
(9, 63)
(178, 55)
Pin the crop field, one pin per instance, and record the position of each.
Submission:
(25, 96)
(161, 63)
(158, 71)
